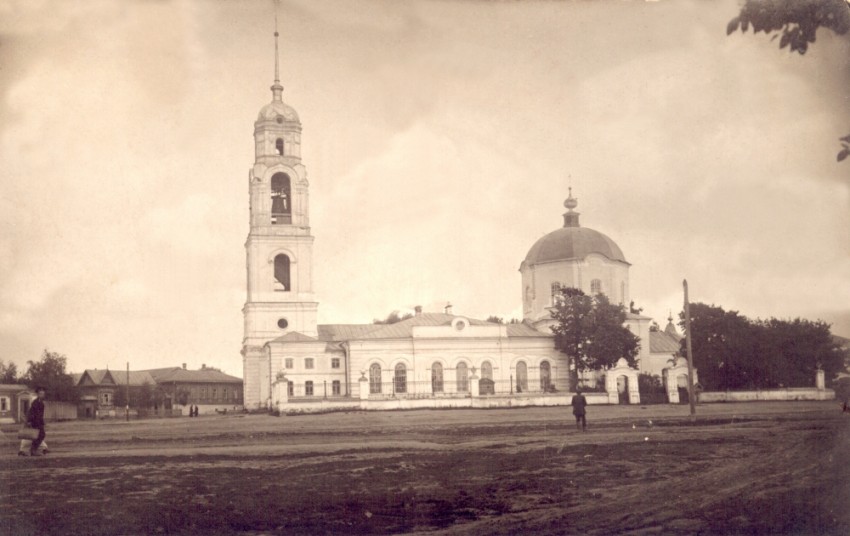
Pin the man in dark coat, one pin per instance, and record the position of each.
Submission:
(579, 403)
(35, 419)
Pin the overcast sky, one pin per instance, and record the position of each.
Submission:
(439, 140)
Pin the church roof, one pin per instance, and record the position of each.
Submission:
(572, 242)
(344, 332)
(278, 108)
(294, 336)
(661, 342)
(404, 329)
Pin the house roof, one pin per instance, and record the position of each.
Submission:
(181, 375)
(13, 387)
(115, 377)
(661, 342)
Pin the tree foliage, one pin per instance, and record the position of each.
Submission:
(795, 23)
(145, 396)
(495, 319)
(590, 331)
(49, 373)
(731, 351)
(393, 318)
(9, 373)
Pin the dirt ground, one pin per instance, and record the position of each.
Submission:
(749, 468)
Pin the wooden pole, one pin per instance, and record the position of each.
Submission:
(690, 352)
(127, 395)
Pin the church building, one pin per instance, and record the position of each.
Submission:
(434, 359)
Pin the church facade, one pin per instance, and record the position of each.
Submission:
(438, 356)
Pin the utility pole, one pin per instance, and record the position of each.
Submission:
(690, 352)
(127, 395)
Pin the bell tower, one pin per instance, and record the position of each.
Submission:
(279, 247)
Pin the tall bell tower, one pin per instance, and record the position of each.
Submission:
(279, 246)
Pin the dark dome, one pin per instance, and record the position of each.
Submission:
(573, 243)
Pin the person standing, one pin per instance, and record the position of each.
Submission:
(35, 419)
(579, 403)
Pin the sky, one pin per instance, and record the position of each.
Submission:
(439, 139)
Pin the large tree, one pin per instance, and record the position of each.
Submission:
(591, 331)
(796, 23)
(730, 351)
(49, 373)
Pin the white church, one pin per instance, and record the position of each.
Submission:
(434, 359)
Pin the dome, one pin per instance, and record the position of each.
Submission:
(278, 108)
(573, 243)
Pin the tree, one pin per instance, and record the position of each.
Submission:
(49, 373)
(393, 318)
(8, 373)
(733, 352)
(797, 22)
(119, 397)
(495, 319)
(145, 397)
(590, 331)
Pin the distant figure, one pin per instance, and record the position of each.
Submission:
(846, 408)
(579, 403)
(35, 419)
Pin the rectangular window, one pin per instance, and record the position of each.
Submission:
(334, 362)
(308, 389)
(308, 363)
(224, 393)
(289, 363)
(336, 387)
(203, 393)
(214, 392)
(290, 387)
(4, 404)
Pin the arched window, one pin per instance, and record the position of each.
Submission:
(486, 386)
(278, 145)
(556, 291)
(462, 378)
(545, 376)
(596, 287)
(281, 199)
(281, 273)
(375, 378)
(486, 371)
(400, 378)
(437, 378)
(521, 377)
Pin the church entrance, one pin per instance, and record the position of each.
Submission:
(682, 387)
(623, 390)
(486, 386)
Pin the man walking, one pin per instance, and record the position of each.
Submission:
(35, 419)
(579, 403)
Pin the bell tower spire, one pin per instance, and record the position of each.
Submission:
(277, 89)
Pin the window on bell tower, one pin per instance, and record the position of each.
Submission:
(281, 199)
(281, 273)
(278, 145)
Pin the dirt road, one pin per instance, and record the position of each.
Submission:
(777, 468)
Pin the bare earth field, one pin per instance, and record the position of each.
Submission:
(748, 468)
